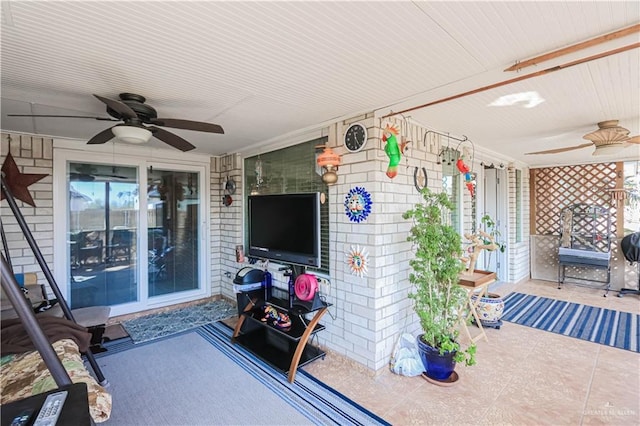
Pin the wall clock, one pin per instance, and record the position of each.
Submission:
(355, 137)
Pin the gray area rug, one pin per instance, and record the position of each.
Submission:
(200, 377)
(184, 380)
(162, 324)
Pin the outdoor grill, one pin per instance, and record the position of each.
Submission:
(630, 246)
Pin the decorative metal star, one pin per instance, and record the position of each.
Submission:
(17, 182)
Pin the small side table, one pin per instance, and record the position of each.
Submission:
(478, 284)
(75, 411)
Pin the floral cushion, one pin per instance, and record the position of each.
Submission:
(25, 374)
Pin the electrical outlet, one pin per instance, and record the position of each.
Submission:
(323, 281)
(324, 285)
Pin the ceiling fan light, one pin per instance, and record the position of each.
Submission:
(131, 134)
(608, 149)
(608, 132)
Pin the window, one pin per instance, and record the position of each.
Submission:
(451, 186)
(286, 171)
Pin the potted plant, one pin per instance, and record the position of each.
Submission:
(438, 299)
(489, 227)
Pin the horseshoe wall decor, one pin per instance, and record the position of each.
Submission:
(416, 179)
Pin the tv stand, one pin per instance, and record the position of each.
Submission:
(286, 349)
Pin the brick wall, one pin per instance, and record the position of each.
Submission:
(32, 155)
(226, 223)
(370, 312)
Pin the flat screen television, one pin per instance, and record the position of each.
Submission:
(285, 228)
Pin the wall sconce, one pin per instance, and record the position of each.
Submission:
(329, 161)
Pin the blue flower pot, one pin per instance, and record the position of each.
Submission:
(436, 366)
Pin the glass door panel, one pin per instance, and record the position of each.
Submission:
(103, 228)
(173, 203)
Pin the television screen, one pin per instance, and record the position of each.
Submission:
(285, 228)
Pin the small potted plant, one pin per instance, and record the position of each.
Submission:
(491, 229)
(439, 300)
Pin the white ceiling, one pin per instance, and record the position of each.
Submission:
(267, 69)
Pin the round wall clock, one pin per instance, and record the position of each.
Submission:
(355, 137)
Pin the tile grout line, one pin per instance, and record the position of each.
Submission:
(593, 373)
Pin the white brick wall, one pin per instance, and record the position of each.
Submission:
(226, 224)
(32, 154)
(370, 312)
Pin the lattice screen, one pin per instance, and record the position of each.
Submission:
(555, 188)
(544, 264)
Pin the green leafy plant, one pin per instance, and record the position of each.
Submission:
(490, 227)
(438, 299)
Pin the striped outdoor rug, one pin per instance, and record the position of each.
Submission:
(599, 325)
(313, 399)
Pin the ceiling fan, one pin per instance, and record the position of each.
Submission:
(609, 138)
(139, 123)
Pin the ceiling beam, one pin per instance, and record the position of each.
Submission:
(516, 79)
(575, 47)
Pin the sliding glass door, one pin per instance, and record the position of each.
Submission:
(172, 233)
(103, 228)
(133, 234)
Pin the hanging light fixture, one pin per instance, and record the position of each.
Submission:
(329, 161)
(609, 138)
(131, 134)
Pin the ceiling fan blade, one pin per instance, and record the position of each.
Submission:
(558, 150)
(171, 139)
(635, 139)
(61, 116)
(102, 137)
(188, 125)
(121, 108)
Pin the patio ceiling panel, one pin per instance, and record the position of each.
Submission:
(221, 61)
